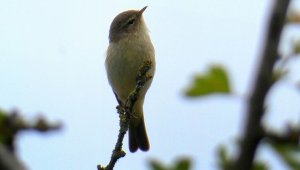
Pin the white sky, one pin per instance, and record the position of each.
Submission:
(52, 61)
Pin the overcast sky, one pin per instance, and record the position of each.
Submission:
(52, 63)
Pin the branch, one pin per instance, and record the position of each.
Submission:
(253, 134)
(17, 122)
(8, 160)
(125, 113)
(291, 136)
(10, 125)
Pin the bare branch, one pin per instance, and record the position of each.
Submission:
(291, 135)
(253, 132)
(10, 125)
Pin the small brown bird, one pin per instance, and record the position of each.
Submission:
(129, 47)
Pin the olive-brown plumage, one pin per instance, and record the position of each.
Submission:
(129, 47)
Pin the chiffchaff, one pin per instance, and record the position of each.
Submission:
(129, 47)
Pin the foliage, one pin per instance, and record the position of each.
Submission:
(180, 164)
(286, 145)
(225, 161)
(215, 80)
(289, 154)
(11, 123)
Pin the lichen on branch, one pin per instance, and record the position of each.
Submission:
(125, 114)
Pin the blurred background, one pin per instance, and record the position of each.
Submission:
(52, 63)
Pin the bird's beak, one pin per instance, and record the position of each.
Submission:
(142, 10)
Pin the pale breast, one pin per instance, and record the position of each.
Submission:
(123, 62)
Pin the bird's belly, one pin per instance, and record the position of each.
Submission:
(122, 71)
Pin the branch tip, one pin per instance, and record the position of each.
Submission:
(125, 114)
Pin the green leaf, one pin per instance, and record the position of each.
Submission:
(258, 165)
(183, 164)
(215, 80)
(289, 153)
(156, 165)
(180, 164)
(224, 161)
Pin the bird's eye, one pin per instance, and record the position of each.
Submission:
(130, 22)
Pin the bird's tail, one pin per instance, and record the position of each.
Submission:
(138, 138)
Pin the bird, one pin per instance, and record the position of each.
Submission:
(129, 47)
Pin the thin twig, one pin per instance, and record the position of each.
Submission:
(11, 123)
(253, 134)
(124, 115)
(291, 135)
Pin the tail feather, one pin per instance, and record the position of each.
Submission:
(138, 138)
(133, 146)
